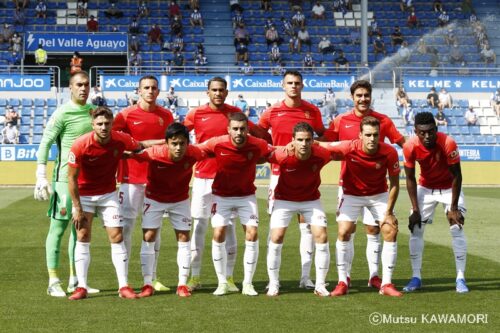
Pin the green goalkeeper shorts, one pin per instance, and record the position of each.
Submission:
(60, 202)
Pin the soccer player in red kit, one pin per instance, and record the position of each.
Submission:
(236, 156)
(367, 162)
(346, 127)
(440, 182)
(208, 121)
(143, 121)
(92, 164)
(281, 119)
(167, 190)
(297, 192)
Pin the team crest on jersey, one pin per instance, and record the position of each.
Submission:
(396, 165)
(115, 152)
(314, 167)
(378, 165)
(250, 156)
(160, 121)
(307, 115)
(186, 165)
(453, 154)
(71, 157)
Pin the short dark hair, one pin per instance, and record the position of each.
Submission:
(370, 121)
(217, 79)
(148, 77)
(176, 129)
(302, 127)
(293, 72)
(424, 118)
(237, 116)
(361, 84)
(102, 111)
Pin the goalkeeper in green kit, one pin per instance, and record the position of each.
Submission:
(68, 122)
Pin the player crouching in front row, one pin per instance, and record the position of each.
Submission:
(92, 164)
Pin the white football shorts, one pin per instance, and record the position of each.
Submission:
(428, 199)
(273, 182)
(351, 206)
(104, 206)
(131, 198)
(179, 214)
(367, 216)
(284, 210)
(224, 208)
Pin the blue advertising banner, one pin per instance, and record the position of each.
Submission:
(273, 83)
(119, 82)
(16, 82)
(190, 82)
(414, 83)
(23, 152)
(81, 42)
(471, 153)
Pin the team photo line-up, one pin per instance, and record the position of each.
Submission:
(151, 157)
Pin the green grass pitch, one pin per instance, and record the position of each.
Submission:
(26, 308)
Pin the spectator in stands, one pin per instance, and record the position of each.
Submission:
(247, 69)
(41, 9)
(341, 62)
(242, 105)
(397, 37)
(441, 118)
(40, 55)
(16, 42)
(466, 7)
(373, 29)
(275, 54)
(178, 43)
(488, 55)
(193, 4)
(175, 26)
(133, 97)
(167, 68)
(241, 35)
(421, 46)
(433, 98)
(409, 117)
(269, 24)
(287, 27)
(402, 99)
(200, 49)
(238, 19)
(234, 5)
(135, 57)
(304, 39)
(354, 37)
(412, 20)
(456, 54)
(19, 16)
(97, 97)
(92, 24)
(318, 11)
(241, 53)
(299, 20)
(445, 100)
(406, 5)
(13, 60)
(10, 134)
(21, 4)
(143, 10)
(155, 35)
(196, 20)
(295, 5)
(443, 19)
(329, 104)
(11, 116)
(325, 46)
(308, 62)
(404, 54)
(134, 44)
(76, 63)
(437, 6)
(339, 6)
(113, 11)
(472, 18)
(450, 38)
(495, 102)
(174, 10)
(266, 5)
(293, 44)
(272, 36)
(134, 27)
(379, 47)
(172, 98)
(178, 60)
(6, 33)
(81, 8)
(471, 116)
(135, 69)
(463, 69)
(279, 69)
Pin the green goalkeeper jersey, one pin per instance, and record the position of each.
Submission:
(69, 122)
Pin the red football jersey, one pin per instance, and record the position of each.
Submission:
(141, 125)
(365, 174)
(281, 119)
(435, 162)
(98, 163)
(168, 181)
(299, 179)
(235, 174)
(208, 123)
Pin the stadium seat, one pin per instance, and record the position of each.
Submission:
(38, 129)
(122, 102)
(39, 102)
(52, 102)
(476, 130)
(27, 102)
(480, 140)
(464, 130)
(36, 139)
(14, 102)
(3, 102)
(39, 111)
(469, 140)
(110, 102)
(38, 120)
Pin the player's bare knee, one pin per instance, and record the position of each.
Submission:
(219, 234)
(345, 231)
(251, 234)
(115, 235)
(182, 236)
(372, 229)
(389, 232)
(277, 235)
(149, 235)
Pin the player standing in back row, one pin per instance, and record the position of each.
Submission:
(281, 119)
(440, 182)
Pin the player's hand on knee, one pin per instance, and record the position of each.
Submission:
(455, 217)
(391, 220)
(43, 190)
(414, 219)
(78, 218)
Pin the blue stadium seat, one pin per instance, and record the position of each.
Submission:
(36, 139)
(38, 129)
(443, 129)
(475, 130)
(491, 139)
(39, 111)
(50, 111)
(26, 120)
(39, 102)
(121, 102)
(24, 129)
(480, 140)
(110, 102)
(454, 130)
(182, 110)
(51, 102)
(38, 120)
(27, 102)
(3, 102)
(14, 102)
(459, 139)
(461, 121)
(469, 140)
(464, 130)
